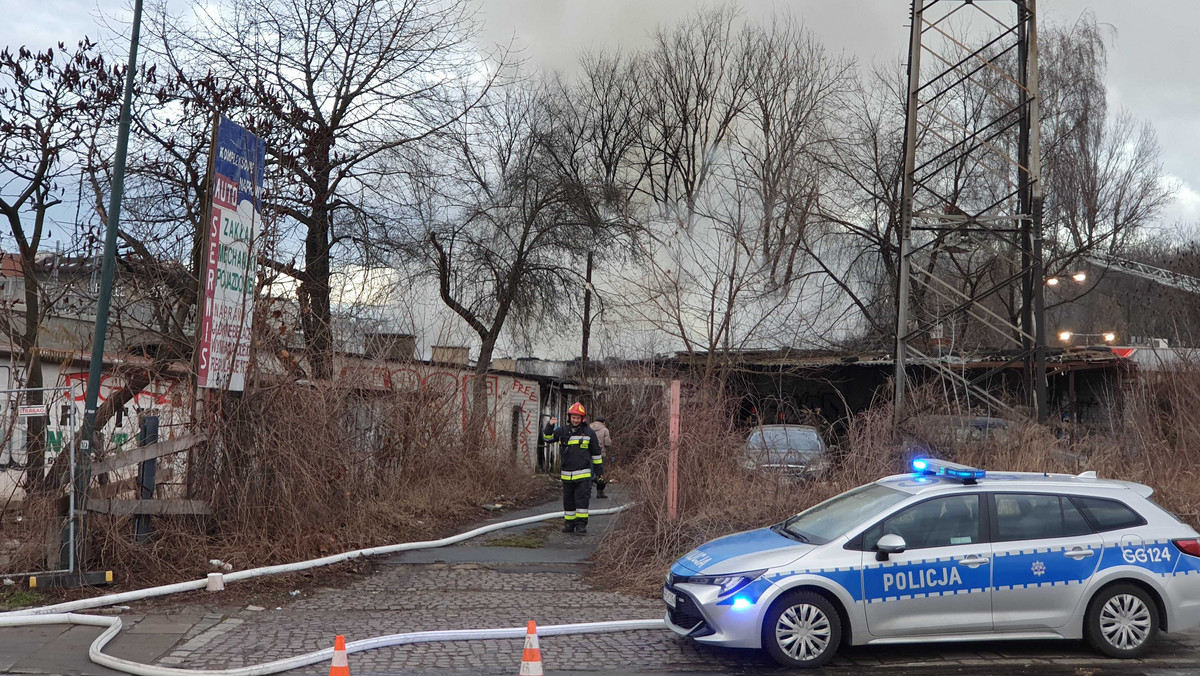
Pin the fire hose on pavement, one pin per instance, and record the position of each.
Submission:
(64, 613)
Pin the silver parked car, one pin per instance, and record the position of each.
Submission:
(947, 553)
(795, 451)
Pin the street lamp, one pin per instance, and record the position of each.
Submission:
(1065, 336)
(1077, 277)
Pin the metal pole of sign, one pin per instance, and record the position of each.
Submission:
(96, 367)
(69, 445)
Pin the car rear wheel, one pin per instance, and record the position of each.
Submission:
(1122, 621)
(802, 630)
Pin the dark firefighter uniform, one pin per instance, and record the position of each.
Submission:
(579, 453)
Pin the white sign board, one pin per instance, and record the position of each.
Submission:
(231, 259)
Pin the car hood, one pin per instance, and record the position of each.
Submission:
(748, 550)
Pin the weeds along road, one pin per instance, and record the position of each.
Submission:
(502, 579)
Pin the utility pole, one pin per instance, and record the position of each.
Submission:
(103, 303)
(906, 199)
(587, 312)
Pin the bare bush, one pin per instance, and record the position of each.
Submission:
(298, 471)
(1155, 441)
(716, 495)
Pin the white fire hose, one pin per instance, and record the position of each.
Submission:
(63, 613)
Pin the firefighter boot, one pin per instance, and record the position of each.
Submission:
(568, 527)
(581, 527)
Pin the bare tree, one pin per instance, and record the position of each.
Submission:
(786, 137)
(1103, 169)
(48, 100)
(334, 87)
(737, 188)
(695, 84)
(494, 229)
(1102, 176)
(597, 125)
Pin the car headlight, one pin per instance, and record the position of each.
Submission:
(728, 583)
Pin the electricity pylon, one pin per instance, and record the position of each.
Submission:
(971, 203)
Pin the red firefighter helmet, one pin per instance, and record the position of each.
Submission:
(577, 409)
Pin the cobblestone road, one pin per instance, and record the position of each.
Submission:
(477, 586)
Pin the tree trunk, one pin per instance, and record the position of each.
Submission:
(35, 430)
(587, 318)
(316, 315)
(477, 437)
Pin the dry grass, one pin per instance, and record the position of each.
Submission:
(1155, 440)
(296, 472)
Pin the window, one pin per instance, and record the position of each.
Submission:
(940, 522)
(777, 439)
(1105, 514)
(1036, 516)
(834, 517)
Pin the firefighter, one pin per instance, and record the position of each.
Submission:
(602, 433)
(581, 459)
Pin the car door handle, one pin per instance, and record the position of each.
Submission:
(974, 561)
(1078, 553)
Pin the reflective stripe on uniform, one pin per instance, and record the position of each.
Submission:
(548, 437)
(577, 475)
(569, 516)
(583, 513)
(596, 460)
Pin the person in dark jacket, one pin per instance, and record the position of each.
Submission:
(600, 427)
(581, 459)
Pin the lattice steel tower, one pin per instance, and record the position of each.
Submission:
(970, 279)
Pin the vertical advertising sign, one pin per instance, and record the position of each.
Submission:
(234, 225)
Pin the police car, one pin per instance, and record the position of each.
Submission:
(947, 553)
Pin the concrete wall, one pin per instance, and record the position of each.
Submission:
(512, 401)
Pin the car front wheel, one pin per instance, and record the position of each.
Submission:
(802, 630)
(1122, 621)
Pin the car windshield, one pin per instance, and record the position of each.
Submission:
(837, 515)
(776, 439)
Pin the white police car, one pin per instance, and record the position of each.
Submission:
(947, 554)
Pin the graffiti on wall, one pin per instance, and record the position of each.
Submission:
(167, 396)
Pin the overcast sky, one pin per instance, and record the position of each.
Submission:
(1153, 59)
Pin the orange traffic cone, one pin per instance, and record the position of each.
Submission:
(531, 658)
(340, 665)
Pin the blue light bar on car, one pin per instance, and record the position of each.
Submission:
(948, 469)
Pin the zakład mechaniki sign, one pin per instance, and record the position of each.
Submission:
(230, 260)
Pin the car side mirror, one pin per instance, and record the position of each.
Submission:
(887, 545)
